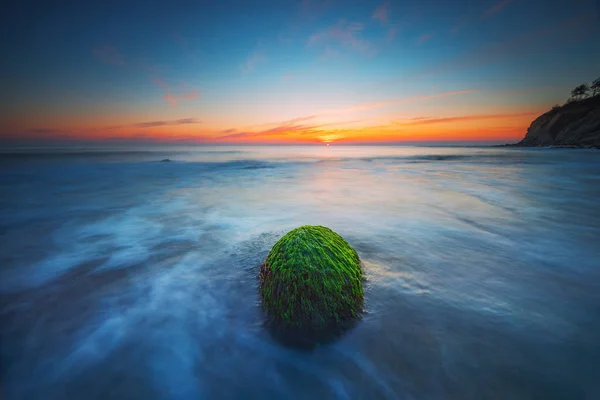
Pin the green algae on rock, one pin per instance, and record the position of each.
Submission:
(311, 285)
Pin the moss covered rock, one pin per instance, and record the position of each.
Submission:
(311, 285)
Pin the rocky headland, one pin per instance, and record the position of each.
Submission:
(575, 124)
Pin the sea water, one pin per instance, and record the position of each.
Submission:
(125, 277)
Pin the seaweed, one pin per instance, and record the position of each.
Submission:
(311, 284)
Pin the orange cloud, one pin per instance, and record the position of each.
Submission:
(362, 107)
(170, 97)
(46, 131)
(451, 132)
(499, 127)
(283, 123)
(294, 130)
(174, 99)
(127, 127)
(465, 118)
(501, 134)
(151, 124)
(299, 119)
(277, 131)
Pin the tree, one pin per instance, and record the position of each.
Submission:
(595, 87)
(580, 92)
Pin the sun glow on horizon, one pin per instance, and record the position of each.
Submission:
(296, 74)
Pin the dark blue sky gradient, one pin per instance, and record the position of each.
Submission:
(74, 62)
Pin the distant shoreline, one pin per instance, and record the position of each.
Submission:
(555, 146)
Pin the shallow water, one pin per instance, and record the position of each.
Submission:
(125, 277)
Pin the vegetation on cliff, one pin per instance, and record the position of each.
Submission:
(574, 124)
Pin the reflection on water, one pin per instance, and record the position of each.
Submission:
(125, 277)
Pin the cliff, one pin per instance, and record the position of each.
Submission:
(575, 124)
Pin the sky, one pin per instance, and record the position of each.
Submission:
(306, 71)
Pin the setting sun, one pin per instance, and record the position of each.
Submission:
(302, 73)
(300, 199)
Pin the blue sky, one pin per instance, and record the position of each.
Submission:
(79, 69)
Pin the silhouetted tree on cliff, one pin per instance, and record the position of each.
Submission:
(580, 92)
(595, 87)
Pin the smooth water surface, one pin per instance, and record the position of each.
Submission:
(125, 277)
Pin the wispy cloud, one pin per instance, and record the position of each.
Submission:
(109, 55)
(408, 100)
(346, 34)
(160, 83)
(254, 58)
(391, 33)
(133, 137)
(174, 98)
(424, 38)
(279, 130)
(474, 18)
(496, 8)
(419, 118)
(46, 131)
(147, 124)
(381, 13)
(294, 126)
(300, 119)
(463, 118)
(288, 122)
(151, 124)
(366, 106)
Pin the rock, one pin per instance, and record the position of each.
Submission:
(573, 125)
(165, 160)
(311, 286)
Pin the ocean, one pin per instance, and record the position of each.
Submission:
(125, 277)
